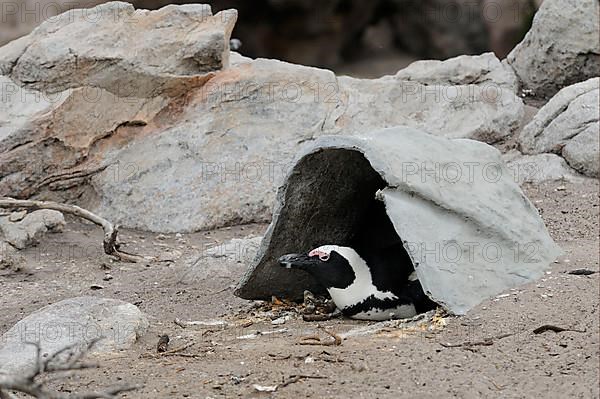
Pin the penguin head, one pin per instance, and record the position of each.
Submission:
(330, 265)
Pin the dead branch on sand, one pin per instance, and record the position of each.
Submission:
(67, 359)
(110, 232)
(488, 341)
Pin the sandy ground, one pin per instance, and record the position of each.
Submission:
(391, 364)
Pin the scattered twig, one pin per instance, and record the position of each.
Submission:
(295, 378)
(259, 333)
(200, 323)
(484, 342)
(279, 357)
(582, 272)
(67, 359)
(180, 323)
(110, 232)
(169, 352)
(556, 329)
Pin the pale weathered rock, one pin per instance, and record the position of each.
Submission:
(568, 125)
(18, 106)
(226, 260)
(539, 168)
(48, 140)
(126, 52)
(10, 257)
(27, 232)
(17, 216)
(213, 155)
(560, 49)
(485, 113)
(73, 321)
(468, 228)
(582, 152)
(222, 163)
(485, 69)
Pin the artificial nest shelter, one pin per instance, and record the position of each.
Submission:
(464, 224)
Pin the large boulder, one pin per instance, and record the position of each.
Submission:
(568, 125)
(560, 49)
(467, 227)
(221, 163)
(212, 154)
(71, 322)
(172, 49)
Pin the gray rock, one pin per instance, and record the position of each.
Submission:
(19, 107)
(582, 152)
(568, 125)
(214, 155)
(27, 231)
(225, 260)
(484, 69)
(560, 49)
(539, 168)
(73, 321)
(80, 120)
(154, 53)
(17, 216)
(487, 113)
(10, 258)
(468, 228)
(222, 163)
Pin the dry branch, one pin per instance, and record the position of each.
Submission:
(484, 342)
(556, 329)
(295, 378)
(169, 352)
(110, 232)
(65, 360)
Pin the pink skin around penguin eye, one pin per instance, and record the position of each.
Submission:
(323, 256)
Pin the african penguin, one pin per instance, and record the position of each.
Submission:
(361, 290)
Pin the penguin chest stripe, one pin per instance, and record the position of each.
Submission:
(357, 293)
(373, 306)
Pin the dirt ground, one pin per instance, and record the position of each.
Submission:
(227, 361)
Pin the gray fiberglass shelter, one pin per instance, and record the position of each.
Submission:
(467, 227)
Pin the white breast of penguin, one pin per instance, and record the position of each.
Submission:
(362, 288)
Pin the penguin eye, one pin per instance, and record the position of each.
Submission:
(324, 257)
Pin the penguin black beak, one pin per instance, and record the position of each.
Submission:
(298, 261)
